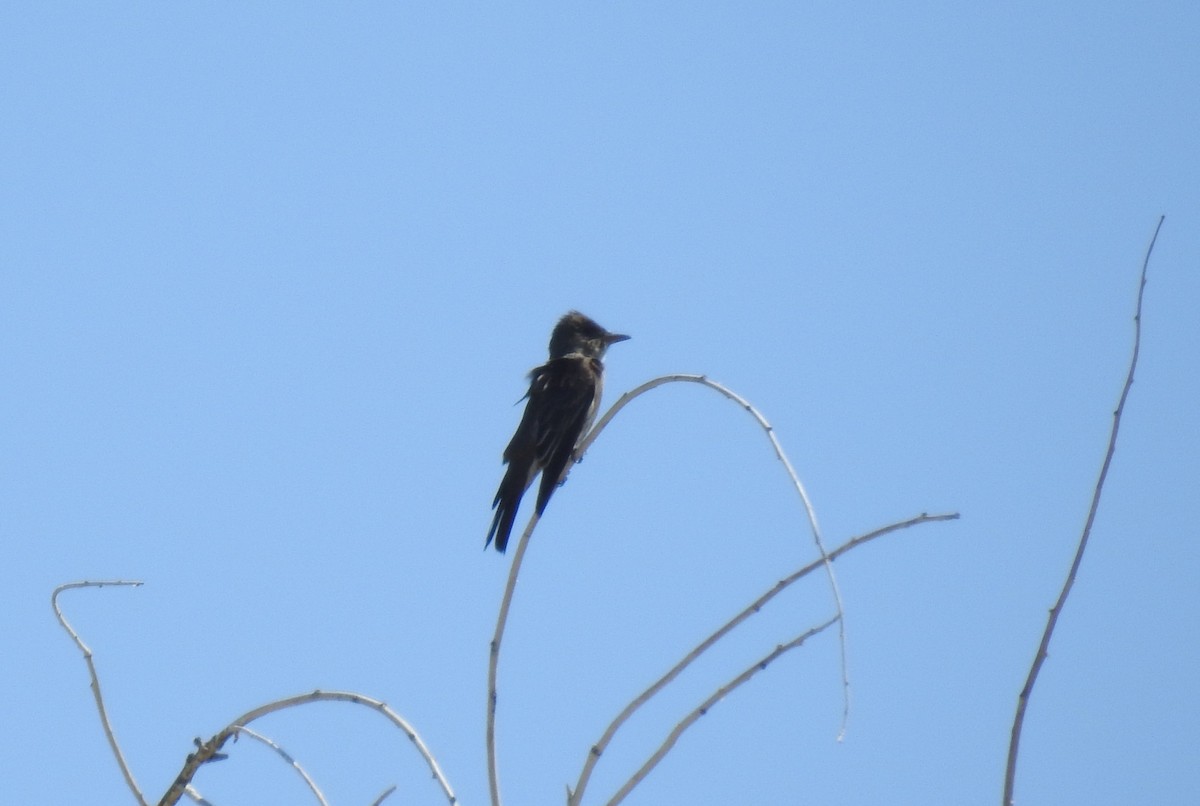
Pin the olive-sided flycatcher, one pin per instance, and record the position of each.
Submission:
(562, 400)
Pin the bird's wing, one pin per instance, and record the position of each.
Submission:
(561, 399)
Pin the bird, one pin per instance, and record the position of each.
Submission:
(561, 403)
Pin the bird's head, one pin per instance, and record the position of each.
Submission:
(576, 333)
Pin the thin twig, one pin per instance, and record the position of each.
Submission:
(795, 479)
(384, 795)
(87, 656)
(316, 790)
(196, 797)
(703, 708)
(600, 746)
(213, 745)
(1010, 773)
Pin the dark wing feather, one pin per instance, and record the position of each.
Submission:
(560, 404)
(523, 465)
(567, 395)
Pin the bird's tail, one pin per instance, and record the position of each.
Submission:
(508, 498)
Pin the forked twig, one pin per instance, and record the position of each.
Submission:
(601, 746)
(213, 745)
(207, 750)
(702, 709)
(87, 656)
(1010, 772)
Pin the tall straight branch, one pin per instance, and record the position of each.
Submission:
(494, 659)
(1010, 773)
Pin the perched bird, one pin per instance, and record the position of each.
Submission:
(562, 400)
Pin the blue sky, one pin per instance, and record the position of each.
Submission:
(272, 277)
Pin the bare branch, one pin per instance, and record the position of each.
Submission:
(196, 797)
(769, 430)
(601, 746)
(312, 785)
(213, 745)
(514, 570)
(384, 795)
(494, 657)
(703, 708)
(1010, 773)
(87, 656)
(825, 561)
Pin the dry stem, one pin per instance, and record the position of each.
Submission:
(87, 656)
(286, 756)
(702, 709)
(213, 745)
(1010, 772)
(795, 479)
(514, 570)
(599, 748)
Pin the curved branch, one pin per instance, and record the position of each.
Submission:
(825, 561)
(87, 656)
(585, 443)
(1010, 772)
(213, 745)
(795, 479)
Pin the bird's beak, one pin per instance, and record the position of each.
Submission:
(613, 338)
